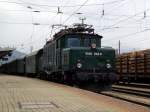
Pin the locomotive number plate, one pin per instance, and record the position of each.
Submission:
(93, 54)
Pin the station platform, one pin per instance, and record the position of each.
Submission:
(22, 94)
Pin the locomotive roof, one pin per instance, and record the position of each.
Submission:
(76, 29)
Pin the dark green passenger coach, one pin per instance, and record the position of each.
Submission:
(75, 55)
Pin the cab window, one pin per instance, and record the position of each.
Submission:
(82, 40)
(96, 41)
(86, 42)
(73, 42)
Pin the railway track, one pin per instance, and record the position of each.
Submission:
(137, 85)
(132, 90)
(136, 95)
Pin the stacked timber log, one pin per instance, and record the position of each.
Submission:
(137, 62)
(140, 62)
(132, 62)
(147, 60)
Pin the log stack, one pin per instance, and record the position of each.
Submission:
(135, 63)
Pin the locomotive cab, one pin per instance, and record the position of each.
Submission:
(75, 54)
(84, 57)
(81, 56)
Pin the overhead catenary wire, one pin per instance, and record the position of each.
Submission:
(21, 23)
(101, 4)
(107, 27)
(25, 5)
(84, 5)
(116, 7)
(120, 21)
(127, 35)
(29, 43)
(126, 19)
(106, 3)
(46, 34)
(106, 12)
(75, 11)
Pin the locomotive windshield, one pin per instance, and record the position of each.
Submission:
(74, 41)
(82, 41)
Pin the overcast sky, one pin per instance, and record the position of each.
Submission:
(124, 20)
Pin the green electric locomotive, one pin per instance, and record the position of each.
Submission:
(75, 55)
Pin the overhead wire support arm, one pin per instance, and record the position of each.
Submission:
(103, 12)
(144, 9)
(59, 25)
(144, 14)
(123, 20)
(58, 11)
(44, 5)
(75, 11)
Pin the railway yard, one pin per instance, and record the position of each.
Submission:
(22, 94)
(132, 94)
(75, 56)
(76, 77)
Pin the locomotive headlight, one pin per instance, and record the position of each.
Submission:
(79, 65)
(108, 65)
(93, 45)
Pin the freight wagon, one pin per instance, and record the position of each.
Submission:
(32, 63)
(21, 66)
(12, 67)
(134, 66)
